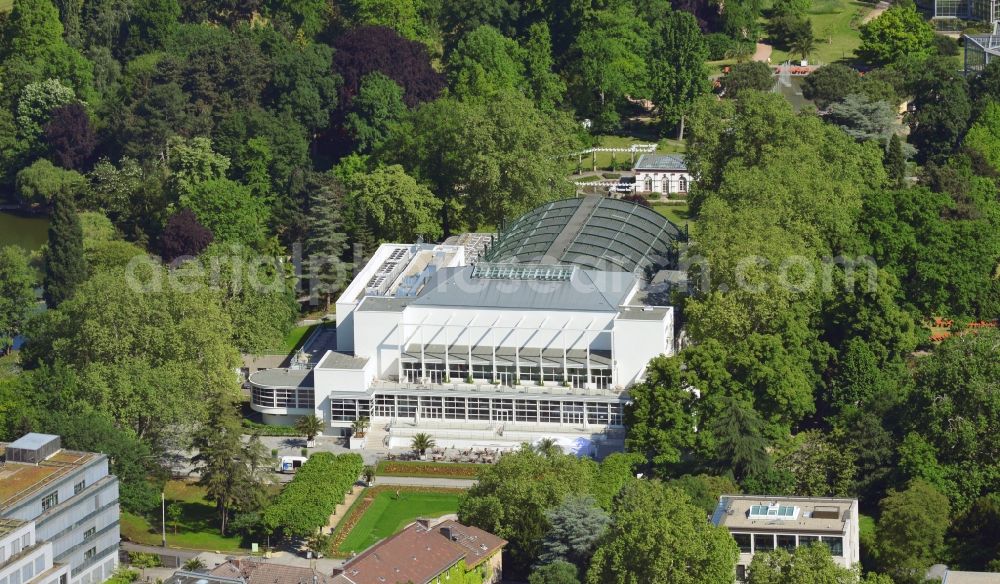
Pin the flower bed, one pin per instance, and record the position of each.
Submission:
(401, 468)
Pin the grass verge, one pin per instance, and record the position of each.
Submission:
(379, 513)
(6, 5)
(196, 529)
(403, 468)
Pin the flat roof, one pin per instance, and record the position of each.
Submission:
(643, 313)
(383, 303)
(286, 378)
(33, 441)
(959, 577)
(585, 291)
(20, 480)
(661, 162)
(337, 360)
(813, 514)
(9, 525)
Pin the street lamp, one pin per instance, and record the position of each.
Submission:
(163, 518)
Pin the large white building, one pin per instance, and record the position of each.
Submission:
(763, 524)
(539, 332)
(63, 505)
(25, 559)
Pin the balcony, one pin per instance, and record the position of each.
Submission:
(530, 389)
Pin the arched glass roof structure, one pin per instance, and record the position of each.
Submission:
(591, 232)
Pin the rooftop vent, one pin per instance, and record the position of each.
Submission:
(33, 448)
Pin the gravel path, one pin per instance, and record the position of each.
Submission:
(763, 52)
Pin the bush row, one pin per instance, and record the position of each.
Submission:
(306, 503)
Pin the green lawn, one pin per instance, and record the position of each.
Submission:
(663, 146)
(835, 24)
(387, 515)
(197, 528)
(676, 213)
(6, 5)
(295, 337)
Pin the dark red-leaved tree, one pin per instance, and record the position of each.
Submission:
(70, 136)
(379, 48)
(637, 199)
(183, 235)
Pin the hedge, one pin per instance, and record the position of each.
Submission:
(306, 503)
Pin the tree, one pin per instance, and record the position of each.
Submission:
(183, 236)
(897, 32)
(194, 564)
(421, 443)
(393, 205)
(657, 535)
(229, 210)
(755, 76)
(485, 161)
(576, 526)
(975, 535)
(42, 182)
(895, 162)
(34, 50)
(486, 63)
(367, 49)
(150, 25)
(546, 87)
(378, 105)
(677, 73)
(611, 63)
(301, 84)
(984, 135)
(740, 444)
(65, 268)
(830, 83)
(360, 426)
(174, 512)
(326, 240)
(808, 563)
(943, 110)
(193, 162)
(863, 119)
(309, 426)
(818, 466)
(512, 497)
(404, 17)
(17, 294)
(660, 420)
(36, 104)
(555, 573)
(548, 447)
(704, 490)
(911, 530)
(230, 470)
(70, 136)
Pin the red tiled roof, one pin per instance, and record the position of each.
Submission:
(418, 554)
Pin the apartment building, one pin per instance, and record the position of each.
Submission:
(71, 503)
(764, 523)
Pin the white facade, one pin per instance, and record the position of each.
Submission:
(74, 509)
(765, 523)
(25, 559)
(538, 334)
(665, 174)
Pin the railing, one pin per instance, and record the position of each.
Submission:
(555, 390)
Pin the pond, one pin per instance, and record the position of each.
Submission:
(27, 231)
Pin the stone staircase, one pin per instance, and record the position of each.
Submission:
(377, 438)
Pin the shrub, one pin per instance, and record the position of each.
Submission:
(144, 560)
(720, 46)
(306, 503)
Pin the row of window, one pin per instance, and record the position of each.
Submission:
(505, 374)
(283, 398)
(766, 542)
(15, 547)
(26, 573)
(494, 409)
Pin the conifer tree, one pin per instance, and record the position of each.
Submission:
(65, 267)
(895, 162)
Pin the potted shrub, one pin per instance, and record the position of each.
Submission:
(310, 426)
(369, 475)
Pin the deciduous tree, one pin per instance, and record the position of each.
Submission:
(899, 31)
(70, 136)
(17, 294)
(576, 526)
(183, 235)
(677, 69)
(911, 531)
(378, 105)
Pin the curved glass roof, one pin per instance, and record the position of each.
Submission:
(592, 232)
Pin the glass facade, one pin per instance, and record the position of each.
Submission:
(487, 409)
(282, 398)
